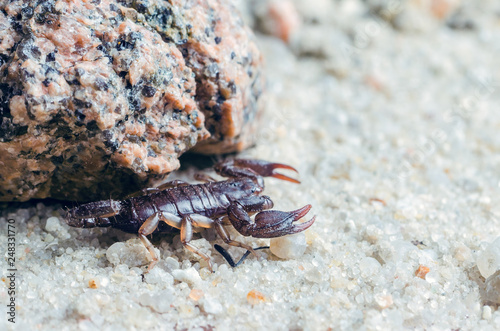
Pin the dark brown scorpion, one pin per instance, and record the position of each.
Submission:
(190, 208)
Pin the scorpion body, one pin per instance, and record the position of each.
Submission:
(190, 208)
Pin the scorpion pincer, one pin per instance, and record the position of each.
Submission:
(178, 205)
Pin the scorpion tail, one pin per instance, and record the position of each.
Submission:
(93, 214)
(87, 222)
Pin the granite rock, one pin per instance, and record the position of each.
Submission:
(99, 98)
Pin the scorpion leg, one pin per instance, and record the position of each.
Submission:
(171, 184)
(227, 239)
(225, 254)
(253, 168)
(204, 178)
(148, 227)
(144, 191)
(185, 225)
(251, 204)
(187, 233)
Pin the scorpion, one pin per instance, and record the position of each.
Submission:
(177, 205)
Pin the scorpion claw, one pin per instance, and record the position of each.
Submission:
(275, 223)
(267, 169)
(284, 177)
(262, 168)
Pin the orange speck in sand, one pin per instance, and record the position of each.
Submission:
(441, 8)
(422, 271)
(378, 200)
(254, 297)
(195, 294)
(92, 284)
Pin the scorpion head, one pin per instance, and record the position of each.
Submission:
(93, 214)
(236, 189)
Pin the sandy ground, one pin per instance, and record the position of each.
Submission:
(391, 117)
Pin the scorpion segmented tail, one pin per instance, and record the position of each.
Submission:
(93, 214)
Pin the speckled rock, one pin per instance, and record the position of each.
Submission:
(99, 97)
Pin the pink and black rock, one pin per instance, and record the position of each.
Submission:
(98, 98)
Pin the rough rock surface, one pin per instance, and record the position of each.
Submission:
(98, 97)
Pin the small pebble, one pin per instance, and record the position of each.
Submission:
(158, 276)
(463, 253)
(422, 271)
(283, 20)
(132, 253)
(486, 312)
(289, 247)
(368, 266)
(212, 306)
(196, 294)
(488, 260)
(383, 300)
(49, 238)
(492, 288)
(190, 276)
(160, 301)
(52, 224)
(254, 297)
(172, 263)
